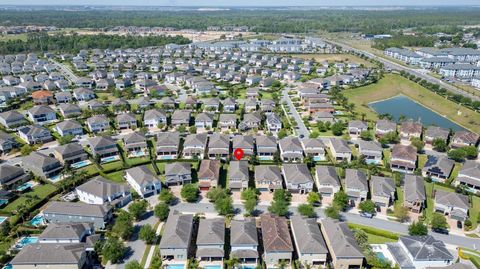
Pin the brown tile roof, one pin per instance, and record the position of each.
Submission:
(276, 236)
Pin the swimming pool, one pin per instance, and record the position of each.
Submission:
(55, 178)
(38, 220)
(380, 256)
(27, 240)
(81, 164)
(247, 266)
(137, 154)
(109, 159)
(24, 186)
(212, 266)
(3, 219)
(8, 266)
(176, 266)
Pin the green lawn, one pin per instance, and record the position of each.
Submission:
(393, 85)
(116, 176)
(422, 160)
(90, 170)
(136, 161)
(474, 211)
(41, 191)
(375, 236)
(112, 165)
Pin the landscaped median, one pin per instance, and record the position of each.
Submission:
(375, 236)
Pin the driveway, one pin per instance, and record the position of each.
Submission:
(302, 129)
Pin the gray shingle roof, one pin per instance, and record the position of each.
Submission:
(452, 199)
(327, 175)
(342, 241)
(65, 231)
(356, 179)
(414, 188)
(178, 231)
(308, 238)
(243, 232)
(39, 159)
(211, 232)
(426, 248)
(296, 173)
(142, 175)
(77, 209)
(53, 254)
(102, 187)
(382, 186)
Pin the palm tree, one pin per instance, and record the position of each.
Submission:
(363, 114)
(232, 262)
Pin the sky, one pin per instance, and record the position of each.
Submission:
(246, 2)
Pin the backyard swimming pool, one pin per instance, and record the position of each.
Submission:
(137, 154)
(109, 159)
(27, 240)
(245, 266)
(24, 186)
(38, 220)
(2, 219)
(381, 256)
(176, 266)
(81, 164)
(212, 266)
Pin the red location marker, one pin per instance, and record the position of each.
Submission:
(238, 154)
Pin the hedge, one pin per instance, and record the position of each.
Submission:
(374, 231)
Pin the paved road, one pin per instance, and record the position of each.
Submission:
(302, 129)
(398, 67)
(66, 71)
(387, 225)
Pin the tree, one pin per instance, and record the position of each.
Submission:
(332, 212)
(314, 134)
(418, 144)
(367, 206)
(306, 210)
(147, 234)
(457, 155)
(26, 149)
(224, 206)
(282, 133)
(439, 145)
(123, 226)
(470, 152)
(389, 138)
(65, 139)
(337, 128)
(250, 198)
(417, 228)
(340, 199)
(361, 237)
(5, 228)
(133, 265)
(189, 192)
(280, 203)
(439, 221)
(161, 211)
(113, 250)
(166, 196)
(192, 129)
(313, 198)
(401, 213)
(138, 208)
(216, 193)
(366, 135)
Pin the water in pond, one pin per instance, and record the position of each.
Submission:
(402, 105)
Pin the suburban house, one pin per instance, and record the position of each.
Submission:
(70, 153)
(383, 127)
(211, 239)
(309, 242)
(12, 119)
(38, 255)
(66, 233)
(135, 144)
(34, 134)
(469, 176)
(104, 148)
(410, 129)
(178, 173)
(244, 240)
(277, 242)
(177, 237)
(244, 142)
(41, 115)
(42, 165)
(238, 175)
(291, 149)
(274, 124)
(340, 150)
(167, 145)
(99, 191)
(227, 122)
(314, 147)
(98, 124)
(250, 121)
(420, 252)
(209, 174)
(438, 168)
(204, 120)
(154, 117)
(342, 246)
(12, 176)
(126, 121)
(356, 186)
(463, 139)
(219, 146)
(328, 182)
(298, 178)
(403, 158)
(435, 132)
(143, 181)
(66, 212)
(83, 94)
(266, 147)
(382, 190)
(181, 117)
(268, 178)
(356, 127)
(194, 146)
(371, 151)
(7, 142)
(229, 105)
(69, 127)
(70, 110)
(454, 205)
(414, 190)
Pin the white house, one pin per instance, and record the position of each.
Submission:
(143, 181)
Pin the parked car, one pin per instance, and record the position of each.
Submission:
(440, 231)
(366, 215)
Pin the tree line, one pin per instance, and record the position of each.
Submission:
(40, 42)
